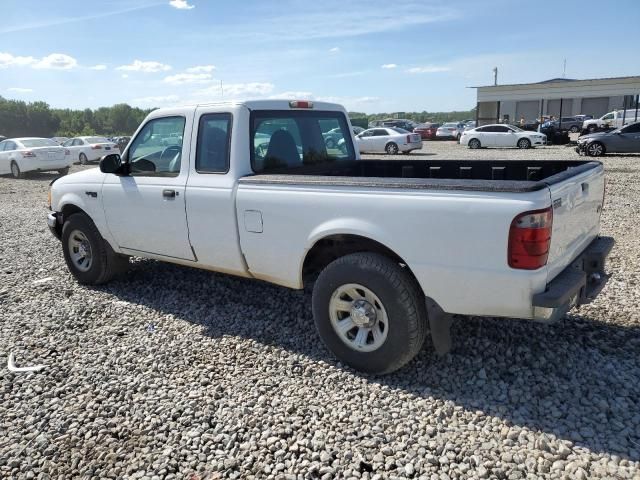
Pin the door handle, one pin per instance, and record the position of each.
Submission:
(169, 193)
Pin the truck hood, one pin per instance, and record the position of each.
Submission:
(91, 175)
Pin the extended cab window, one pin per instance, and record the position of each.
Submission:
(212, 154)
(283, 140)
(157, 149)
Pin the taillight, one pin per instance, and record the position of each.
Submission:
(96, 147)
(28, 154)
(529, 239)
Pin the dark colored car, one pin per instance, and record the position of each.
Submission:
(399, 124)
(621, 140)
(427, 131)
(122, 142)
(572, 124)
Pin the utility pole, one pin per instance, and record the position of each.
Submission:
(495, 76)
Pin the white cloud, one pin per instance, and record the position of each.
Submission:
(156, 101)
(184, 78)
(389, 65)
(59, 61)
(147, 67)
(124, 75)
(19, 90)
(98, 67)
(181, 4)
(334, 50)
(237, 90)
(428, 69)
(201, 69)
(292, 96)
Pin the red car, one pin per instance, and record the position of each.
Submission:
(427, 131)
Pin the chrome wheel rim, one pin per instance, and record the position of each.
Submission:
(474, 143)
(392, 149)
(358, 317)
(522, 143)
(15, 171)
(595, 149)
(80, 251)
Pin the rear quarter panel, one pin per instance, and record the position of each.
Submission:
(454, 242)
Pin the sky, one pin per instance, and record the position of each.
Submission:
(370, 55)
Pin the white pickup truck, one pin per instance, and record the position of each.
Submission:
(393, 248)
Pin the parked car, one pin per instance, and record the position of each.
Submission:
(391, 140)
(427, 131)
(122, 142)
(381, 283)
(407, 125)
(450, 130)
(621, 140)
(611, 120)
(499, 135)
(332, 137)
(572, 124)
(21, 155)
(469, 125)
(89, 149)
(59, 140)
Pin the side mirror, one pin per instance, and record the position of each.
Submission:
(110, 163)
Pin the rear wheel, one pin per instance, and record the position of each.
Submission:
(595, 149)
(89, 258)
(83, 159)
(524, 143)
(15, 170)
(474, 143)
(369, 312)
(391, 148)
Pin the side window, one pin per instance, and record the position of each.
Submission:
(68, 143)
(368, 133)
(2, 145)
(635, 128)
(608, 116)
(481, 129)
(380, 132)
(10, 146)
(77, 142)
(501, 129)
(157, 149)
(212, 154)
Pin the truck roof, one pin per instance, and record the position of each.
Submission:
(271, 104)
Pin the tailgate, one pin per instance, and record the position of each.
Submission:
(577, 203)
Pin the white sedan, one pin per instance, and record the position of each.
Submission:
(388, 139)
(89, 149)
(501, 136)
(21, 155)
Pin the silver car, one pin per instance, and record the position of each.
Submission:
(622, 140)
(450, 130)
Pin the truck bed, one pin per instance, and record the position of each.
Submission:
(474, 175)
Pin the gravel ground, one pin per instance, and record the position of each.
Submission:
(172, 372)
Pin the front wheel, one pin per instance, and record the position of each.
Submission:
(474, 143)
(15, 170)
(89, 257)
(391, 148)
(575, 129)
(369, 312)
(524, 143)
(595, 149)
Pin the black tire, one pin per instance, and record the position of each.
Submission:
(401, 297)
(474, 144)
(105, 263)
(575, 129)
(595, 149)
(15, 170)
(391, 148)
(524, 143)
(83, 159)
(63, 171)
(592, 128)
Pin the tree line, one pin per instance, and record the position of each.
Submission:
(38, 119)
(420, 117)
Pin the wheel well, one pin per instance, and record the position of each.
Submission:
(333, 247)
(69, 209)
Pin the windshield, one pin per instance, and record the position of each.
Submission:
(282, 140)
(513, 127)
(96, 140)
(38, 142)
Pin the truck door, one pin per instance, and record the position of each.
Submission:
(145, 211)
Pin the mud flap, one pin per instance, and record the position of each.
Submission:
(440, 327)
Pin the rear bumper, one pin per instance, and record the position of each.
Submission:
(579, 283)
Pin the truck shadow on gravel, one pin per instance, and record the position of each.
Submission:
(578, 380)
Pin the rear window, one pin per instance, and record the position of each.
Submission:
(399, 130)
(38, 142)
(283, 140)
(96, 140)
